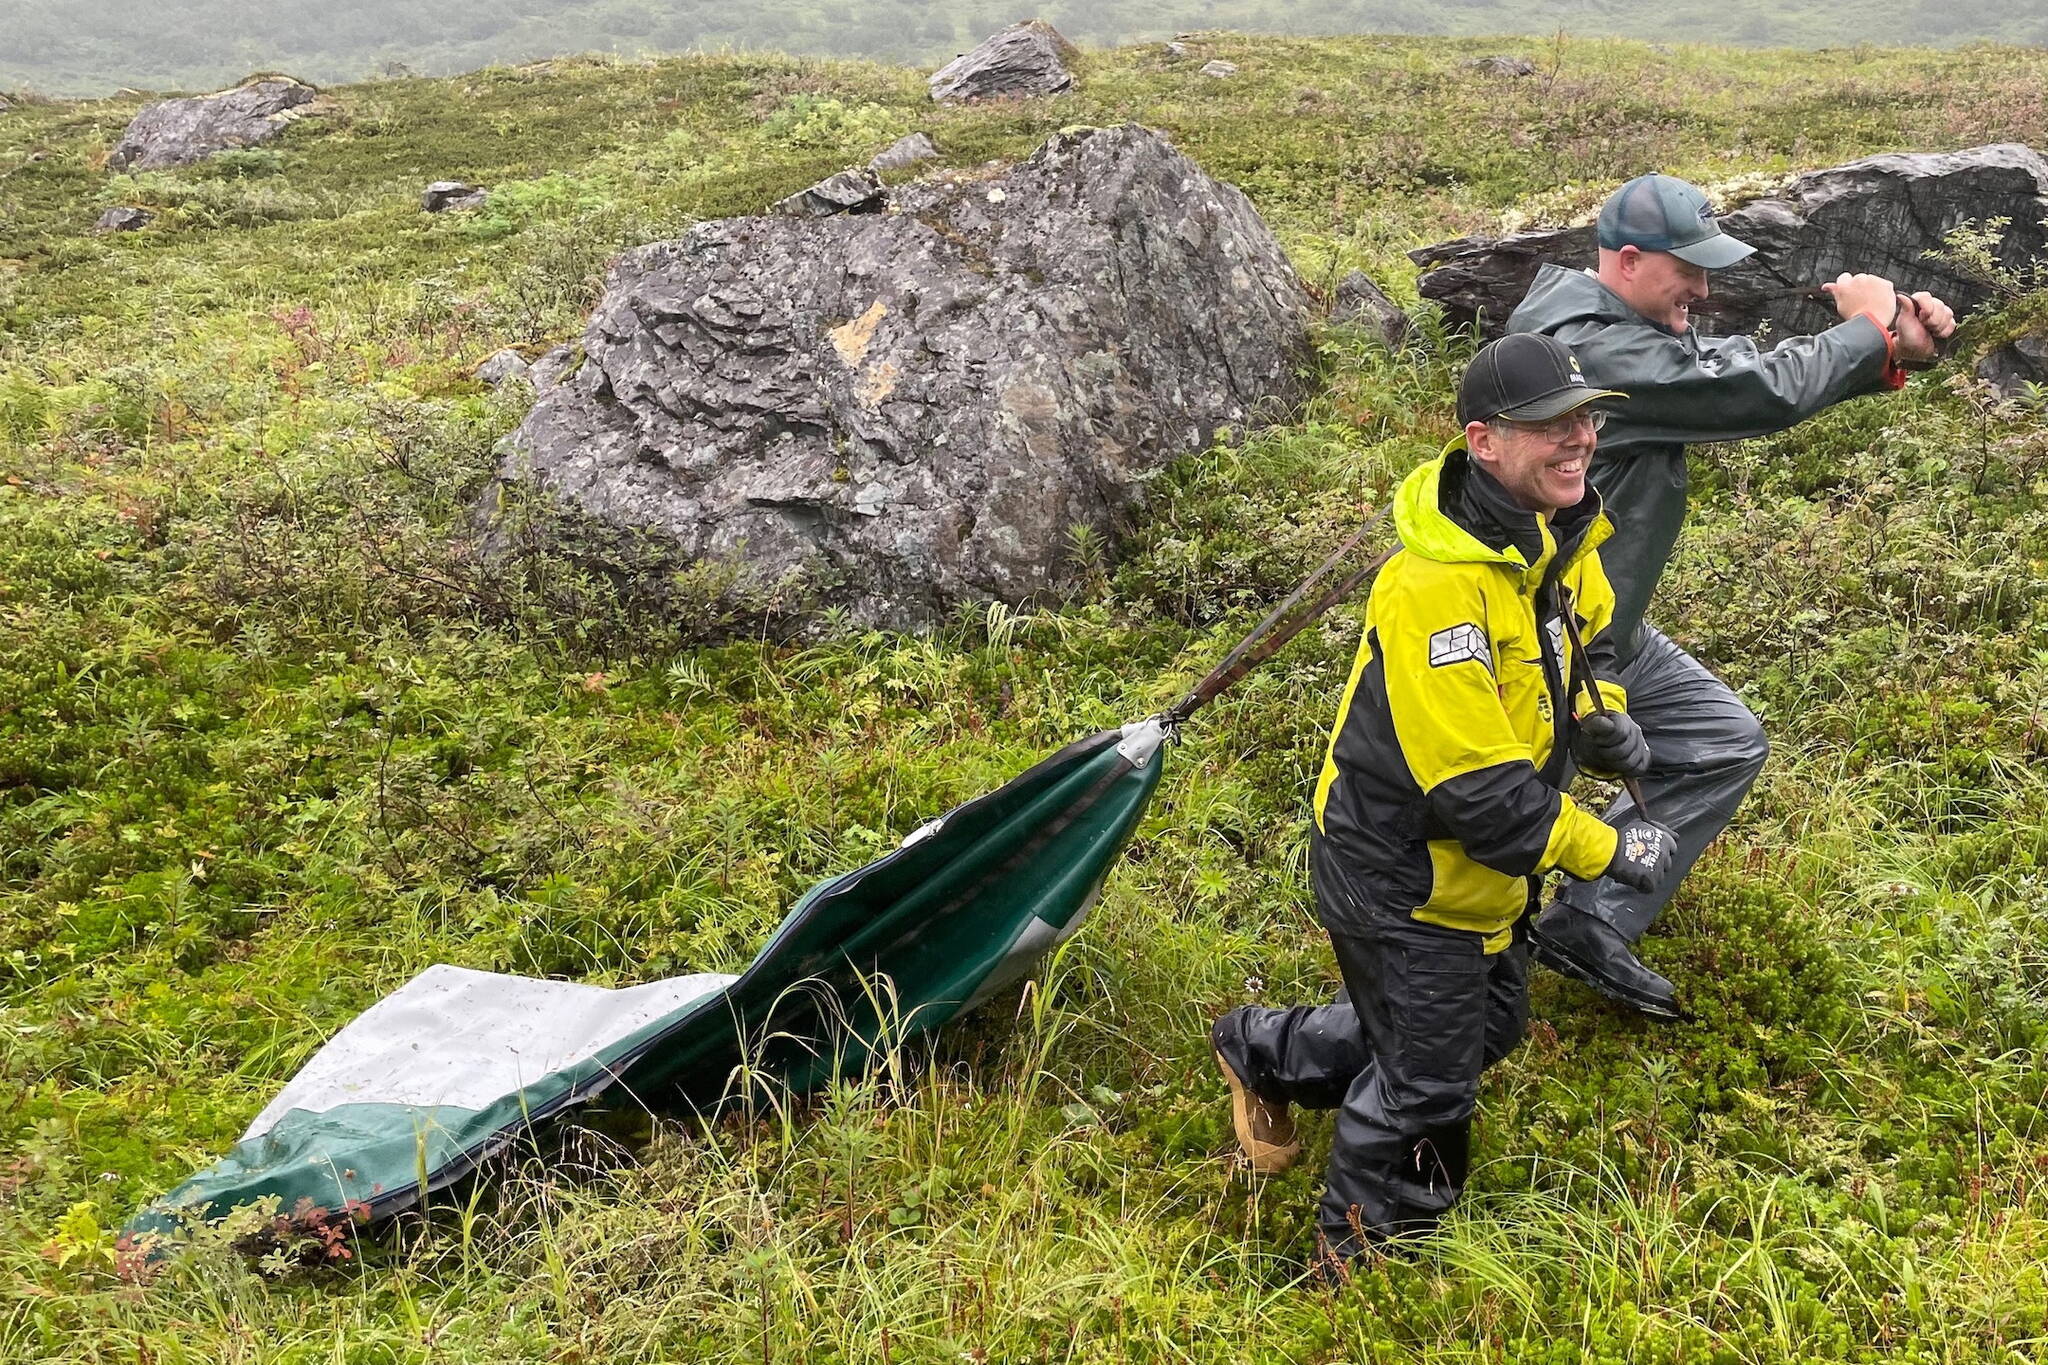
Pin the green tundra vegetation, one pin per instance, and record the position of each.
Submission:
(275, 739)
(91, 47)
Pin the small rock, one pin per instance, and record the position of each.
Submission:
(1175, 50)
(1024, 61)
(123, 220)
(180, 132)
(905, 152)
(850, 191)
(2015, 365)
(1219, 69)
(500, 368)
(1361, 301)
(1514, 67)
(443, 195)
(5, 104)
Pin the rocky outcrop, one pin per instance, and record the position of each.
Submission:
(1882, 214)
(904, 153)
(1024, 61)
(911, 409)
(123, 220)
(852, 191)
(180, 132)
(1512, 68)
(1362, 303)
(444, 195)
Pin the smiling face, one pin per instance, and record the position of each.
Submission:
(1654, 283)
(1543, 472)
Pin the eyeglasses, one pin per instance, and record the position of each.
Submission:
(1558, 428)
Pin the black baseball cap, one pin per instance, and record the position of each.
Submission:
(1526, 377)
(1664, 213)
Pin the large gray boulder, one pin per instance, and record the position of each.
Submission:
(180, 132)
(1882, 214)
(1024, 61)
(910, 409)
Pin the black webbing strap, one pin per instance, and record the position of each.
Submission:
(1270, 635)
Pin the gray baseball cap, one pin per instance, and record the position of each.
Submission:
(1664, 213)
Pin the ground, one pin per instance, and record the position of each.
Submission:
(274, 741)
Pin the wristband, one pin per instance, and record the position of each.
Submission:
(1894, 376)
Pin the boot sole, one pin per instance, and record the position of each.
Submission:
(1264, 1157)
(1564, 964)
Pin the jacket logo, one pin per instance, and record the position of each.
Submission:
(1460, 644)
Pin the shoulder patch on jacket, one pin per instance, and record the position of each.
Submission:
(1456, 644)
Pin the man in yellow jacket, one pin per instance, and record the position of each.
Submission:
(1440, 807)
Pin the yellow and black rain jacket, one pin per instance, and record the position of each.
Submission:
(1441, 783)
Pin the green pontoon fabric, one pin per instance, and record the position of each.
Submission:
(457, 1063)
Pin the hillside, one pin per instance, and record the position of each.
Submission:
(273, 742)
(92, 47)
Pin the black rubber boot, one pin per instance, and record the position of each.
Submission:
(1575, 944)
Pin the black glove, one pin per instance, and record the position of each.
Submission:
(1610, 744)
(1643, 855)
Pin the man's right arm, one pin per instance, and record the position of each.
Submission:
(1726, 388)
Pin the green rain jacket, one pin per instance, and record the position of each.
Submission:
(1683, 387)
(1441, 781)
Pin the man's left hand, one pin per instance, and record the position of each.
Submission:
(1922, 324)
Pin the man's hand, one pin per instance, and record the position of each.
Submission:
(1611, 744)
(1643, 855)
(1873, 294)
(1924, 322)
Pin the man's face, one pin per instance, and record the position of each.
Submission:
(1542, 466)
(1655, 283)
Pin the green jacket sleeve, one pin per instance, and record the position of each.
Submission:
(1686, 388)
(1478, 777)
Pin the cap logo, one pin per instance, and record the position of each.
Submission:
(1576, 376)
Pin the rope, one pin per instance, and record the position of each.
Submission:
(1269, 636)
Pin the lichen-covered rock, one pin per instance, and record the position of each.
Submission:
(182, 131)
(904, 153)
(1882, 214)
(1024, 61)
(1362, 302)
(445, 195)
(850, 191)
(123, 220)
(912, 409)
(1513, 68)
(1219, 69)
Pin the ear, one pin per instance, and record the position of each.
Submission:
(1480, 442)
(1628, 258)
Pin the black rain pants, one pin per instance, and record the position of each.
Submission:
(1706, 749)
(1428, 1010)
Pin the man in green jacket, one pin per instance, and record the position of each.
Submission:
(1629, 324)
